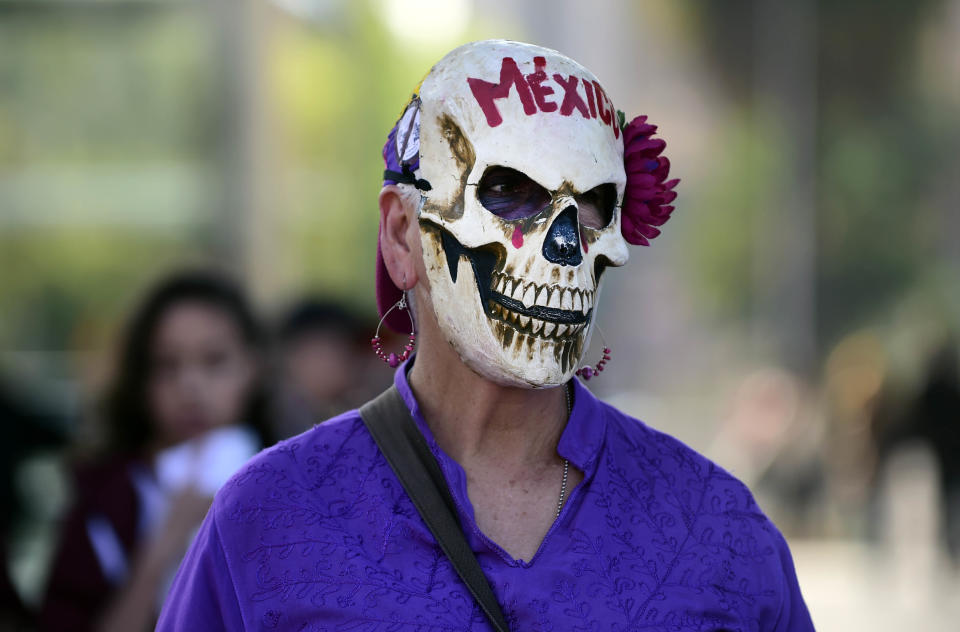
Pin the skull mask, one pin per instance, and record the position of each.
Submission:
(522, 152)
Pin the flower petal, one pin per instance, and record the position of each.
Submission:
(648, 231)
(647, 196)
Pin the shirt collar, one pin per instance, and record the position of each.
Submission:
(580, 441)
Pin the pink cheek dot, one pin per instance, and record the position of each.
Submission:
(517, 238)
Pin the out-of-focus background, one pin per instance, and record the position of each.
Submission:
(797, 321)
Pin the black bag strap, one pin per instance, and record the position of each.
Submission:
(388, 420)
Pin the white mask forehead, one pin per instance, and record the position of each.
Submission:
(524, 107)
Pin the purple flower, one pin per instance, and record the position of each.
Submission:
(646, 201)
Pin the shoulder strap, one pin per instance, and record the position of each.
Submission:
(389, 421)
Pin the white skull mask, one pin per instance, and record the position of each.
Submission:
(522, 151)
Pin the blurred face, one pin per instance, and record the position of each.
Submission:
(319, 366)
(201, 372)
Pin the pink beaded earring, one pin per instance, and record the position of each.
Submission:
(393, 359)
(588, 371)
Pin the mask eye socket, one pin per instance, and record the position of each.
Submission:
(596, 205)
(509, 194)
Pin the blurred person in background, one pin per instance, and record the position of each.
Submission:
(24, 429)
(319, 360)
(936, 413)
(186, 408)
(932, 417)
(773, 440)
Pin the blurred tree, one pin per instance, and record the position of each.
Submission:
(877, 156)
(104, 160)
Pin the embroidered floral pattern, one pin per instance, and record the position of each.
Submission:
(320, 535)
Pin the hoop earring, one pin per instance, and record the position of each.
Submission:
(393, 360)
(588, 371)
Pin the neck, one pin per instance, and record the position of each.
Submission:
(474, 419)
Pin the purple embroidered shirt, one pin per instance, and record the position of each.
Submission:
(317, 534)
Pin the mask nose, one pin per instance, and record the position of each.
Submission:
(562, 244)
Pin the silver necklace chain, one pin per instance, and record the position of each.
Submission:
(566, 463)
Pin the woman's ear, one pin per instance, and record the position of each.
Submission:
(397, 217)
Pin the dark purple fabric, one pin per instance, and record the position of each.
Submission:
(316, 534)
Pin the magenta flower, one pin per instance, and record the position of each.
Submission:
(648, 192)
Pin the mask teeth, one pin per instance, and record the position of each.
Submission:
(518, 291)
(541, 298)
(532, 330)
(534, 327)
(531, 294)
(545, 295)
(554, 297)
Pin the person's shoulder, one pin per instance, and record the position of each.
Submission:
(699, 502)
(293, 468)
(708, 515)
(680, 470)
